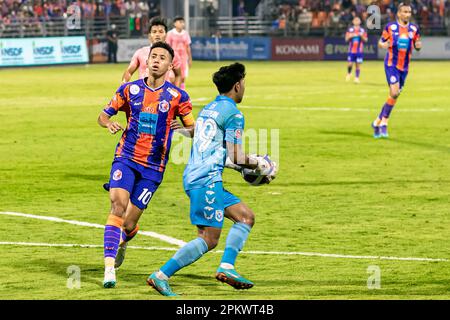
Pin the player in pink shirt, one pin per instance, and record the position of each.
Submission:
(180, 41)
(157, 33)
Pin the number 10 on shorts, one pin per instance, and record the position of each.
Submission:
(145, 196)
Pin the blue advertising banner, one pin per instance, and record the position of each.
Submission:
(43, 51)
(337, 49)
(257, 48)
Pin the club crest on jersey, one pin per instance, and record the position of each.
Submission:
(117, 175)
(393, 27)
(134, 89)
(172, 92)
(219, 215)
(164, 106)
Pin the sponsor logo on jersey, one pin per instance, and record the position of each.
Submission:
(208, 212)
(172, 92)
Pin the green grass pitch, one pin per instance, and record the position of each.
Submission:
(339, 191)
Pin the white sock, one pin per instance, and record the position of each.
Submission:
(226, 265)
(161, 276)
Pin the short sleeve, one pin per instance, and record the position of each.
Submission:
(188, 39)
(386, 35)
(135, 58)
(176, 62)
(185, 105)
(118, 101)
(417, 35)
(234, 128)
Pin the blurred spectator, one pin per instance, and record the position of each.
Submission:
(112, 36)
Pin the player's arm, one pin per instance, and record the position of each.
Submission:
(186, 117)
(177, 73)
(189, 53)
(117, 102)
(417, 41)
(104, 120)
(383, 43)
(348, 36)
(132, 67)
(365, 37)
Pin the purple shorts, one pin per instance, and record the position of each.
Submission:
(393, 75)
(139, 181)
(355, 57)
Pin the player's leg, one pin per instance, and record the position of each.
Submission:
(349, 67)
(358, 63)
(207, 214)
(184, 72)
(380, 123)
(142, 193)
(121, 182)
(244, 219)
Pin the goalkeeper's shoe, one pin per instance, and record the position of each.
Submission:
(110, 278)
(162, 286)
(376, 131)
(120, 254)
(384, 132)
(234, 279)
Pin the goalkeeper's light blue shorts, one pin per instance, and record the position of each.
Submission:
(208, 204)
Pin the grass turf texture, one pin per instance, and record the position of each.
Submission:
(338, 190)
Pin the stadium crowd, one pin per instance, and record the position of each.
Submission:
(301, 16)
(290, 17)
(32, 14)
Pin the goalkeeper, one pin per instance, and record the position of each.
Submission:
(218, 133)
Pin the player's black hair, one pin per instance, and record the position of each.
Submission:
(164, 46)
(177, 18)
(403, 4)
(227, 76)
(157, 21)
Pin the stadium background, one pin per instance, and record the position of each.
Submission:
(221, 30)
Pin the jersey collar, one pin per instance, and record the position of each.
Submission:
(225, 98)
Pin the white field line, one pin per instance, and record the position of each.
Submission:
(152, 234)
(338, 109)
(314, 254)
(181, 243)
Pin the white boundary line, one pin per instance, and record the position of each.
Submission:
(152, 234)
(181, 243)
(314, 254)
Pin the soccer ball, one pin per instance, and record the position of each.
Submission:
(257, 179)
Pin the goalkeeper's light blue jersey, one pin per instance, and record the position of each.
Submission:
(218, 122)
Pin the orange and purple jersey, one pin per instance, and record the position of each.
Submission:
(147, 138)
(401, 42)
(356, 43)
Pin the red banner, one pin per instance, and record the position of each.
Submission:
(297, 49)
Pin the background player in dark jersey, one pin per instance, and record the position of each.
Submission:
(142, 152)
(399, 38)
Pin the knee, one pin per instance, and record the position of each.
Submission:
(129, 226)
(246, 216)
(395, 94)
(118, 207)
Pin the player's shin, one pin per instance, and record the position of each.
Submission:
(112, 239)
(386, 111)
(187, 255)
(236, 238)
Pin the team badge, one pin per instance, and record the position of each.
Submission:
(208, 212)
(134, 89)
(219, 215)
(117, 175)
(164, 106)
(393, 27)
